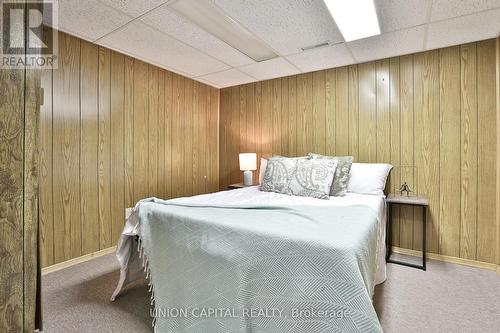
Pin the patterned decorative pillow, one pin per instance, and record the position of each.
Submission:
(263, 164)
(299, 176)
(341, 179)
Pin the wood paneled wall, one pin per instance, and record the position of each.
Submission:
(19, 110)
(431, 114)
(115, 130)
(11, 196)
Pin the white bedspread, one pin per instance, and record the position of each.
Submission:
(168, 218)
(252, 196)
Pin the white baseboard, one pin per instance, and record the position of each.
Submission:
(453, 260)
(71, 262)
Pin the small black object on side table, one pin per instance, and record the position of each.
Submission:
(419, 201)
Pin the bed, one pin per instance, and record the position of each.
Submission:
(252, 261)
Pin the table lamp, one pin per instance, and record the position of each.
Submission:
(248, 163)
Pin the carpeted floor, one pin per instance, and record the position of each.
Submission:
(445, 298)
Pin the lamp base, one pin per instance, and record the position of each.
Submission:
(248, 178)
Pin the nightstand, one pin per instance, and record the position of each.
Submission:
(238, 185)
(419, 201)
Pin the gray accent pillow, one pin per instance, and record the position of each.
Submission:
(341, 178)
(299, 176)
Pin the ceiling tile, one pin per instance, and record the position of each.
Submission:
(139, 40)
(321, 58)
(171, 23)
(285, 25)
(400, 14)
(464, 29)
(232, 77)
(134, 8)
(444, 9)
(388, 45)
(88, 19)
(164, 38)
(269, 69)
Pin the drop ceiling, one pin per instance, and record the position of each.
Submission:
(152, 31)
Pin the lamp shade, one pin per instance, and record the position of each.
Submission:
(248, 161)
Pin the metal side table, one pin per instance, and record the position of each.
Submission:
(419, 201)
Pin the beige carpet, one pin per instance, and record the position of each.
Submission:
(445, 298)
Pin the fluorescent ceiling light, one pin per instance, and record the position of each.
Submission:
(356, 19)
(213, 20)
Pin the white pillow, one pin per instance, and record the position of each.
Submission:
(262, 170)
(368, 178)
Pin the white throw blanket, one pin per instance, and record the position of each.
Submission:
(256, 268)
